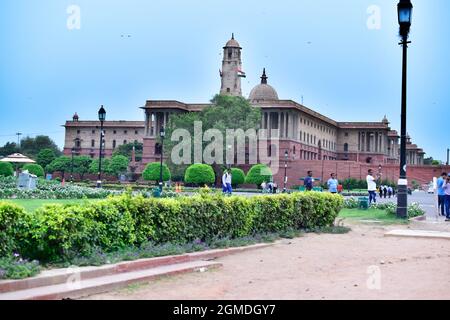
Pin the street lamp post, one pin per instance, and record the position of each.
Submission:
(101, 117)
(162, 134)
(71, 165)
(286, 157)
(404, 19)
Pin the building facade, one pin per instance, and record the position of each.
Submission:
(304, 133)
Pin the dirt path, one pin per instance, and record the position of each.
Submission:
(318, 267)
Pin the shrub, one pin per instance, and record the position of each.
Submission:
(45, 157)
(35, 169)
(12, 220)
(199, 174)
(258, 174)
(6, 169)
(17, 268)
(237, 177)
(152, 172)
(118, 165)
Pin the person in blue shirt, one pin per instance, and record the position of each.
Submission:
(441, 192)
(333, 184)
(309, 181)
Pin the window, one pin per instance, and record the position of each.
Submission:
(114, 144)
(346, 147)
(93, 131)
(92, 143)
(136, 132)
(346, 134)
(125, 142)
(125, 132)
(158, 148)
(115, 131)
(228, 90)
(230, 53)
(78, 131)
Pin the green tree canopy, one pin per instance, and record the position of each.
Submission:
(118, 164)
(61, 164)
(152, 172)
(93, 168)
(81, 165)
(45, 157)
(32, 146)
(6, 169)
(199, 174)
(8, 149)
(258, 174)
(127, 150)
(35, 169)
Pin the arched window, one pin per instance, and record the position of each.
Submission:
(346, 147)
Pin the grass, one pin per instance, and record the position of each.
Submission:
(32, 205)
(372, 214)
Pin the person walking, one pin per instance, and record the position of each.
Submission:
(228, 181)
(309, 181)
(380, 192)
(441, 193)
(371, 187)
(390, 192)
(224, 181)
(385, 191)
(447, 198)
(332, 184)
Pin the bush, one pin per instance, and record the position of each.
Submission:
(12, 220)
(237, 177)
(6, 169)
(60, 232)
(35, 169)
(258, 174)
(152, 172)
(199, 174)
(17, 268)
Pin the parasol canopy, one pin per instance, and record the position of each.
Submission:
(17, 158)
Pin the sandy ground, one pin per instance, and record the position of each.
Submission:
(362, 264)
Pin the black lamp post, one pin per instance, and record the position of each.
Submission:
(101, 117)
(162, 134)
(404, 19)
(71, 165)
(286, 157)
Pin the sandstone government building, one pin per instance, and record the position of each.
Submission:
(307, 135)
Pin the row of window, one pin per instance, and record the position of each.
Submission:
(136, 132)
(312, 139)
(320, 127)
(93, 143)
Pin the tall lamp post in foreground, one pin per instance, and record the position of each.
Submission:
(101, 117)
(404, 19)
(286, 157)
(162, 134)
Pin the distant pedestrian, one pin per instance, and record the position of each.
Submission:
(441, 192)
(385, 191)
(309, 181)
(380, 192)
(275, 188)
(390, 192)
(333, 184)
(228, 181)
(224, 181)
(371, 187)
(447, 198)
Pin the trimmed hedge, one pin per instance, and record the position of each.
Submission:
(237, 176)
(199, 174)
(59, 232)
(258, 174)
(6, 169)
(152, 172)
(35, 169)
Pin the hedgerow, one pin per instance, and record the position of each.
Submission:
(59, 232)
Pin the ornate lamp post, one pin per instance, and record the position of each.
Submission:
(162, 134)
(404, 19)
(71, 165)
(286, 157)
(101, 117)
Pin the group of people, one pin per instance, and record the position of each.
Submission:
(386, 192)
(270, 187)
(443, 191)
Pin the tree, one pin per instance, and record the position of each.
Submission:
(8, 149)
(118, 164)
(237, 177)
(152, 172)
(258, 174)
(45, 157)
(32, 146)
(226, 112)
(93, 168)
(199, 174)
(35, 169)
(81, 165)
(127, 150)
(61, 164)
(6, 169)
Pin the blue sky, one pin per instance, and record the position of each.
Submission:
(320, 49)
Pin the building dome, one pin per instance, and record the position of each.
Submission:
(263, 91)
(232, 43)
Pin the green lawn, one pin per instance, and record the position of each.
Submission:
(371, 215)
(31, 205)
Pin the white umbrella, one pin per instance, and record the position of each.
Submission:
(17, 158)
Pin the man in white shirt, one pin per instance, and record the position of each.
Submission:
(228, 181)
(371, 187)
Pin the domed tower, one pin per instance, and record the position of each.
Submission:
(232, 73)
(263, 91)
